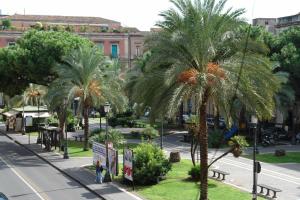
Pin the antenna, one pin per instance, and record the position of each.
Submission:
(24, 11)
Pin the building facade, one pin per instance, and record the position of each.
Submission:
(123, 43)
(277, 25)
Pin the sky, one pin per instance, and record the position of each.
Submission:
(142, 14)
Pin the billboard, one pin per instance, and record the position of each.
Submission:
(99, 154)
(128, 164)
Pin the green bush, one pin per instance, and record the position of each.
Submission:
(96, 131)
(113, 121)
(114, 136)
(215, 138)
(195, 173)
(150, 164)
(150, 133)
(53, 121)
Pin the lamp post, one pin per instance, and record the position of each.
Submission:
(107, 177)
(255, 167)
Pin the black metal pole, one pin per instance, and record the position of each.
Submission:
(107, 177)
(254, 192)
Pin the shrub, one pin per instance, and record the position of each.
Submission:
(113, 121)
(96, 131)
(150, 164)
(195, 173)
(215, 138)
(114, 136)
(150, 133)
(135, 134)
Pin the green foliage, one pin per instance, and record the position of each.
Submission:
(238, 141)
(114, 136)
(31, 60)
(52, 120)
(215, 138)
(150, 133)
(195, 173)
(6, 24)
(149, 164)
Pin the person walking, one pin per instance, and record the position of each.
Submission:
(99, 170)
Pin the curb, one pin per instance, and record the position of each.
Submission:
(55, 167)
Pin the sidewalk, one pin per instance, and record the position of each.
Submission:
(74, 168)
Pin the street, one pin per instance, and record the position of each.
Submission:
(25, 176)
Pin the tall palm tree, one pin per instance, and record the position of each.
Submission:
(33, 94)
(87, 74)
(198, 52)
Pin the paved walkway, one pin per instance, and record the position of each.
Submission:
(73, 167)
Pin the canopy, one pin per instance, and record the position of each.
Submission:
(10, 113)
(37, 115)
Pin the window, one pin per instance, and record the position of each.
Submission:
(11, 43)
(137, 50)
(114, 50)
(100, 45)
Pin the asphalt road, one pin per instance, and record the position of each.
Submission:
(25, 176)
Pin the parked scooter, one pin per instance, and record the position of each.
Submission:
(269, 136)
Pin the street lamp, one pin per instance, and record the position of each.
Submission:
(107, 177)
(256, 165)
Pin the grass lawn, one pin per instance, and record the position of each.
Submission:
(290, 157)
(35, 133)
(178, 187)
(75, 149)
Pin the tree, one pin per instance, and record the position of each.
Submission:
(86, 74)
(34, 94)
(6, 24)
(32, 58)
(199, 52)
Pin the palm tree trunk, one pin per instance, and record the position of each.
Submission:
(62, 124)
(86, 127)
(203, 141)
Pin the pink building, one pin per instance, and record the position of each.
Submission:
(116, 41)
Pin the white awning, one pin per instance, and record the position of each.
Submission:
(37, 115)
(10, 113)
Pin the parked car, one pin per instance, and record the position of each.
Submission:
(2, 196)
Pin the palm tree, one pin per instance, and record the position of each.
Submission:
(33, 94)
(199, 52)
(87, 74)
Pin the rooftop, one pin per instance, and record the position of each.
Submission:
(60, 19)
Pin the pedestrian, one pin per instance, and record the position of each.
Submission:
(99, 170)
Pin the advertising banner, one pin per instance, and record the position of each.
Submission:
(99, 154)
(128, 164)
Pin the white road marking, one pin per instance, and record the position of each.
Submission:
(264, 170)
(297, 183)
(17, 174)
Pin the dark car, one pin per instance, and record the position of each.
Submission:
(2, 196)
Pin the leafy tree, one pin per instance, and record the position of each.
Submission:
(199, 52)
(286, 50)
(6, 24)
(31, 60)
(84, 72)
